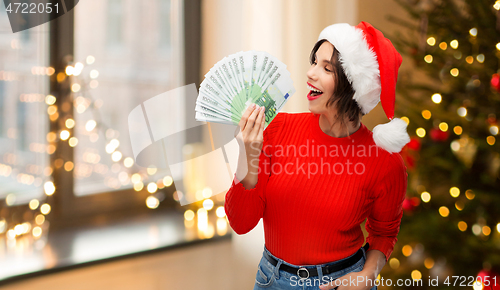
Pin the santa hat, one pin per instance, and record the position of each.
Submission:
(371, 64)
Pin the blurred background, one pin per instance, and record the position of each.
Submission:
(77, 212)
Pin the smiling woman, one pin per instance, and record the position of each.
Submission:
(312, 215)
(329, 78)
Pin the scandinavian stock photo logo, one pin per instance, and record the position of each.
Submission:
(152, 136)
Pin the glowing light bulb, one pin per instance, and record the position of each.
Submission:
(128, 162)
(462, 111)
(436, 98)
(73, 141)
(64, 135)
(45, 209)
(49, 188)
(416, 275)
(50, 100)
(34, 203)
(90, 59)
(152, 202)
(444, 211)
(425, 196)
(69, 70)
(189, 215)
(407, 250)
(454, 191)
(152, 187)
(90, 125)
(167, 180)
(220, 212)
(420, 132)
(116, 156)
(208, 204)
(431, 41)
(94, 74)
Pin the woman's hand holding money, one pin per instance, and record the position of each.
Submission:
(250, 136)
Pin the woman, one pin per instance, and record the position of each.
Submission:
(315, 177)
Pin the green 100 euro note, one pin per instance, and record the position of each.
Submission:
(240, 80)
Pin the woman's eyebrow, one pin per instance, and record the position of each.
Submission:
(325, 60)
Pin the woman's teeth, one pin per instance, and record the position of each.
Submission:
(314, 91)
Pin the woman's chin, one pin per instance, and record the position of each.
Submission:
(314, 109)
(316, 106)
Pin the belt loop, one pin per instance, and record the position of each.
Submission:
(320, 273)
(277, 269)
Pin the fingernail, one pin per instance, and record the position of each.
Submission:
(262, 108)
(253, 105)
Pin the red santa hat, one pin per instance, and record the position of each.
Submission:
(371, 64)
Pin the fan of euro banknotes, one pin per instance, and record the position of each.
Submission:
(242, 79)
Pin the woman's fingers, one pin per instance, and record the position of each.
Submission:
(258, 123)
(263, 123)
(251, 120)
(245, 116)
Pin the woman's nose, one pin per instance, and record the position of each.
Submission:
(310, 73)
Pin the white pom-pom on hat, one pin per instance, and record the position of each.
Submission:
(391, 136)
(371, 64)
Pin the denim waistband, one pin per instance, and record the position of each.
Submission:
(311, 266)
(278, 272)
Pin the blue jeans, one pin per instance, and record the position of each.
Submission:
(271, 277)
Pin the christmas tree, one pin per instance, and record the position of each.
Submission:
(451, 102)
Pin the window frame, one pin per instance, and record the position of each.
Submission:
(69, 210)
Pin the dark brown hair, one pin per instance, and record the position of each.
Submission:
(342, 97)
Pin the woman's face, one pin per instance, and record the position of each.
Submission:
(320, 77)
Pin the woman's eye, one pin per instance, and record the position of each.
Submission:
(328, 70)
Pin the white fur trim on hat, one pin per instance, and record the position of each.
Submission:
(359, 62)
(391, 136)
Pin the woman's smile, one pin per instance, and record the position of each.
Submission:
(314, 92)
(321, 79)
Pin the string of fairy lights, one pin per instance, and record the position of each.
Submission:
(462, 110)
(141, 180)
(458, 146)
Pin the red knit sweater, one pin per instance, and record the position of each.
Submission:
(314, 191)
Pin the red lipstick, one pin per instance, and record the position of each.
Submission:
(315, 94)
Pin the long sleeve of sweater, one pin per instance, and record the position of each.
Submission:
(384, 221)
(245, 207)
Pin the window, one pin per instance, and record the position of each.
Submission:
(24, 83)
(21, 125)
(66, 90)
(114, 22)
(112, 85)
(165, 24)
(2, 108)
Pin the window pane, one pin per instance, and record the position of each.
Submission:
(165, 24)
(131, 52)
(24, 83)
(114, 22)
